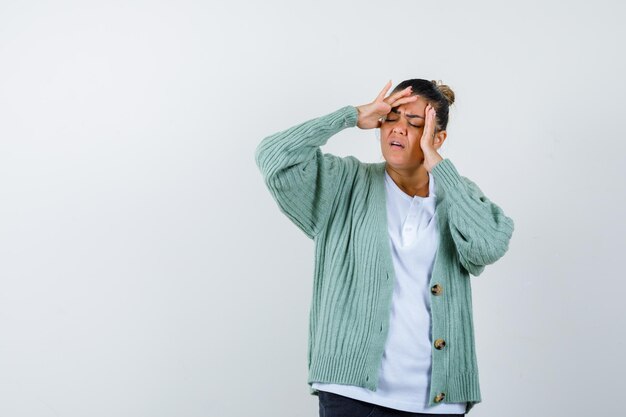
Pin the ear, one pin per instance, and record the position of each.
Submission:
(440, 138)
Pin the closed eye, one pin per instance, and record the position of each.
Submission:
(390, 120)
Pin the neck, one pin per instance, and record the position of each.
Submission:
(414, 182)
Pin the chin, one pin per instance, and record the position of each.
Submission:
(401, 163)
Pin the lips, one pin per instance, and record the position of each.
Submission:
(395, 143)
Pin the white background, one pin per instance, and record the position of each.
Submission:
(145, 269)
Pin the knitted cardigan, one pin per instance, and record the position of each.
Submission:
(339, 202)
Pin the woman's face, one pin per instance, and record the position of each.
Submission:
(404, 124)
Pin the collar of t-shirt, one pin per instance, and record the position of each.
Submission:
(408, 215)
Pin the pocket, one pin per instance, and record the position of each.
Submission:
(336, 405)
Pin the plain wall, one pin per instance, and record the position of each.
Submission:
(145, 270)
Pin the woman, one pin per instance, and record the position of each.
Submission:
(391, 329)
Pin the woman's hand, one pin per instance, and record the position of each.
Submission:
(427, 142)
(370, 114)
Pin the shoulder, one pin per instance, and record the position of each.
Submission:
(468, 182)
(473, 188)
(446, 171)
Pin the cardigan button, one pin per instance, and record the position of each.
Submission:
(436, 289)
(440, 344)
(439, 397)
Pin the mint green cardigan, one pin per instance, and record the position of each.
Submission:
(339, 202)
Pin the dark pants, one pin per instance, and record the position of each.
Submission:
(335, 405)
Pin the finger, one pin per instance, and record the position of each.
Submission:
(403, 100)
(434, 120)
(429, 127)
(381, 95)
(398, 94)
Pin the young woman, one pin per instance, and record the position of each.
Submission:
(391, 329)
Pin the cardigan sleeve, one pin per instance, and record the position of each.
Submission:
(480, 230)
(302, 180)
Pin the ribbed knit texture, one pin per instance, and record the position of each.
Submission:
(340, 203)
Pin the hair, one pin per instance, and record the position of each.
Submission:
(439, 95)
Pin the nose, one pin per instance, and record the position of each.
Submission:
(399, 127)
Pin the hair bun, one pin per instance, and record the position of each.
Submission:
(445, 90)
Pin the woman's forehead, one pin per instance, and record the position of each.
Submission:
(416, 107)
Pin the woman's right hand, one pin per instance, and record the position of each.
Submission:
(370, 115)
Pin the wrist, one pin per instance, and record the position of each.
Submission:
(431, 158)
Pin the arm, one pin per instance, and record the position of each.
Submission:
(480, 229)
(303, 180)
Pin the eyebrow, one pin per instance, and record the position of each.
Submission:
(410, 116)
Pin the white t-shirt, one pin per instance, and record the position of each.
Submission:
(404, 379)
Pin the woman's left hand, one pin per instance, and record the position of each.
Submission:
(427, 142)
